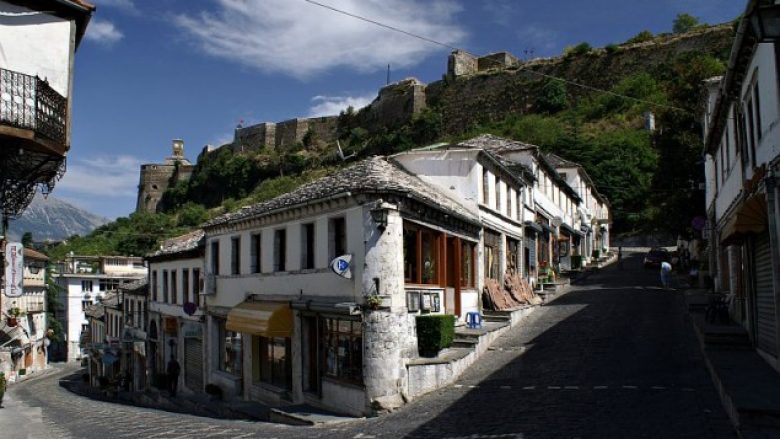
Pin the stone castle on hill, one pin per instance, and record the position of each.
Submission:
(484, 88)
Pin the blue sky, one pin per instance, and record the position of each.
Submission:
(149, 71)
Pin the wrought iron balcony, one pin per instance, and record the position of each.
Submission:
(29, 103)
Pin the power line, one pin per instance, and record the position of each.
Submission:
(527, 70)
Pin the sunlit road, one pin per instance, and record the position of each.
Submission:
(614, 358)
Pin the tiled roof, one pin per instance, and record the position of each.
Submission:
(95, 310)
(489, 142)
(560, 162)
(110, 299)
(375, 175)
(136, 285)
(84, 4)
(32, 254)
(179, 244)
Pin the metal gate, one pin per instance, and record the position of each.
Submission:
(193, 363)
(766, 320)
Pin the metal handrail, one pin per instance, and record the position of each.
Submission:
(28, 102)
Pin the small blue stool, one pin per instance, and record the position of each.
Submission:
(473, 319)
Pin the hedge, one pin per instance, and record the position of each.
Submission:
(434, 333)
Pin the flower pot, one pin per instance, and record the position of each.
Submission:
(11, 321)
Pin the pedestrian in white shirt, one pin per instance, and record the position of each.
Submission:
(666, 274)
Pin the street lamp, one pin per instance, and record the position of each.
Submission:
(379, 215)
(765, 21)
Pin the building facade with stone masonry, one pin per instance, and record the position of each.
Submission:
(156, 178)
(23, 339)
(285, 328)
(176, 312)
(82, 281)
(742, 146)
(498, 197)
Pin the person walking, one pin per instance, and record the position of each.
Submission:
(3, 385)
(666, 274)
(173, 371)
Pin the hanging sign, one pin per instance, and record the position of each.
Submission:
(342, 266)
(14, 269)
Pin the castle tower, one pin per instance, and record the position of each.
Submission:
(156, 178)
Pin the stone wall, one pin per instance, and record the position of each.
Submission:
(255, 137)
(155, 179)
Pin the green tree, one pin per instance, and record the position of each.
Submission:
(53, 303)
(641, 37)
(192, 215)
(684, 22)
(27, 239)
(552, 98)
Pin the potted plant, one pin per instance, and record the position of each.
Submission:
(373, 301)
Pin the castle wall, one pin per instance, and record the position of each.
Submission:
(290, 132)
(154, 181)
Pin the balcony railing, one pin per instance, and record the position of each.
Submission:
(28, 102)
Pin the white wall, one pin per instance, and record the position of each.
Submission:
(38, 44)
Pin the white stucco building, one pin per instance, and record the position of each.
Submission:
(742, 147)
(176, 314)
(83, 280)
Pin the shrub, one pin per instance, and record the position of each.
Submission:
(552, 99)
(684, 22)
(580, 49)
(641, 37)
(611, 48)
(434, 333)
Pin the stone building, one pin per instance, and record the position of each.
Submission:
(156, 178)
(284, 327)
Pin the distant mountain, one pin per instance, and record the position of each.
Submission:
(53, 219)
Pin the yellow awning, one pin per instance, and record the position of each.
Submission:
(750, 217)
(267, 319)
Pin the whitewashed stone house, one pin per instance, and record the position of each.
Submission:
(555, 202)
(593, 211)
(496, 195)
(284, 328)
(176, 315)
(742, 146)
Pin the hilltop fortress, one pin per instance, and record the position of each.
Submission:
(473, 90)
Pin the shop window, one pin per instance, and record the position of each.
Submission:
(513, 254)
(492, 242)
(274, 365)
(307, 246)
(420, 255)
(343, 350)
(229, 345)
(280, 250)
(467, 264)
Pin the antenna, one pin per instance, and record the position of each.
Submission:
(341, 153)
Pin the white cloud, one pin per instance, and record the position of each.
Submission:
(300, 39)
(333, 105)
(102, 177)
(103, 32)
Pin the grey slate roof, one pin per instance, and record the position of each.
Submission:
(490, 142)
(375, 175)
(183, 243)
(136, 286)
(95, 311)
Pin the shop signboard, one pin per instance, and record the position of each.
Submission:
(14, 269)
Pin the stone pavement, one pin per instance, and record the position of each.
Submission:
(613, 358)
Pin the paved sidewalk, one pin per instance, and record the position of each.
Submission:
(749, 387)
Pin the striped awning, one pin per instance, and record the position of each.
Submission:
(267, 319)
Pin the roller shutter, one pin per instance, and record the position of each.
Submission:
(193, 363)
(766, 319)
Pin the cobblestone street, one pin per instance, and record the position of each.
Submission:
(614, 358)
